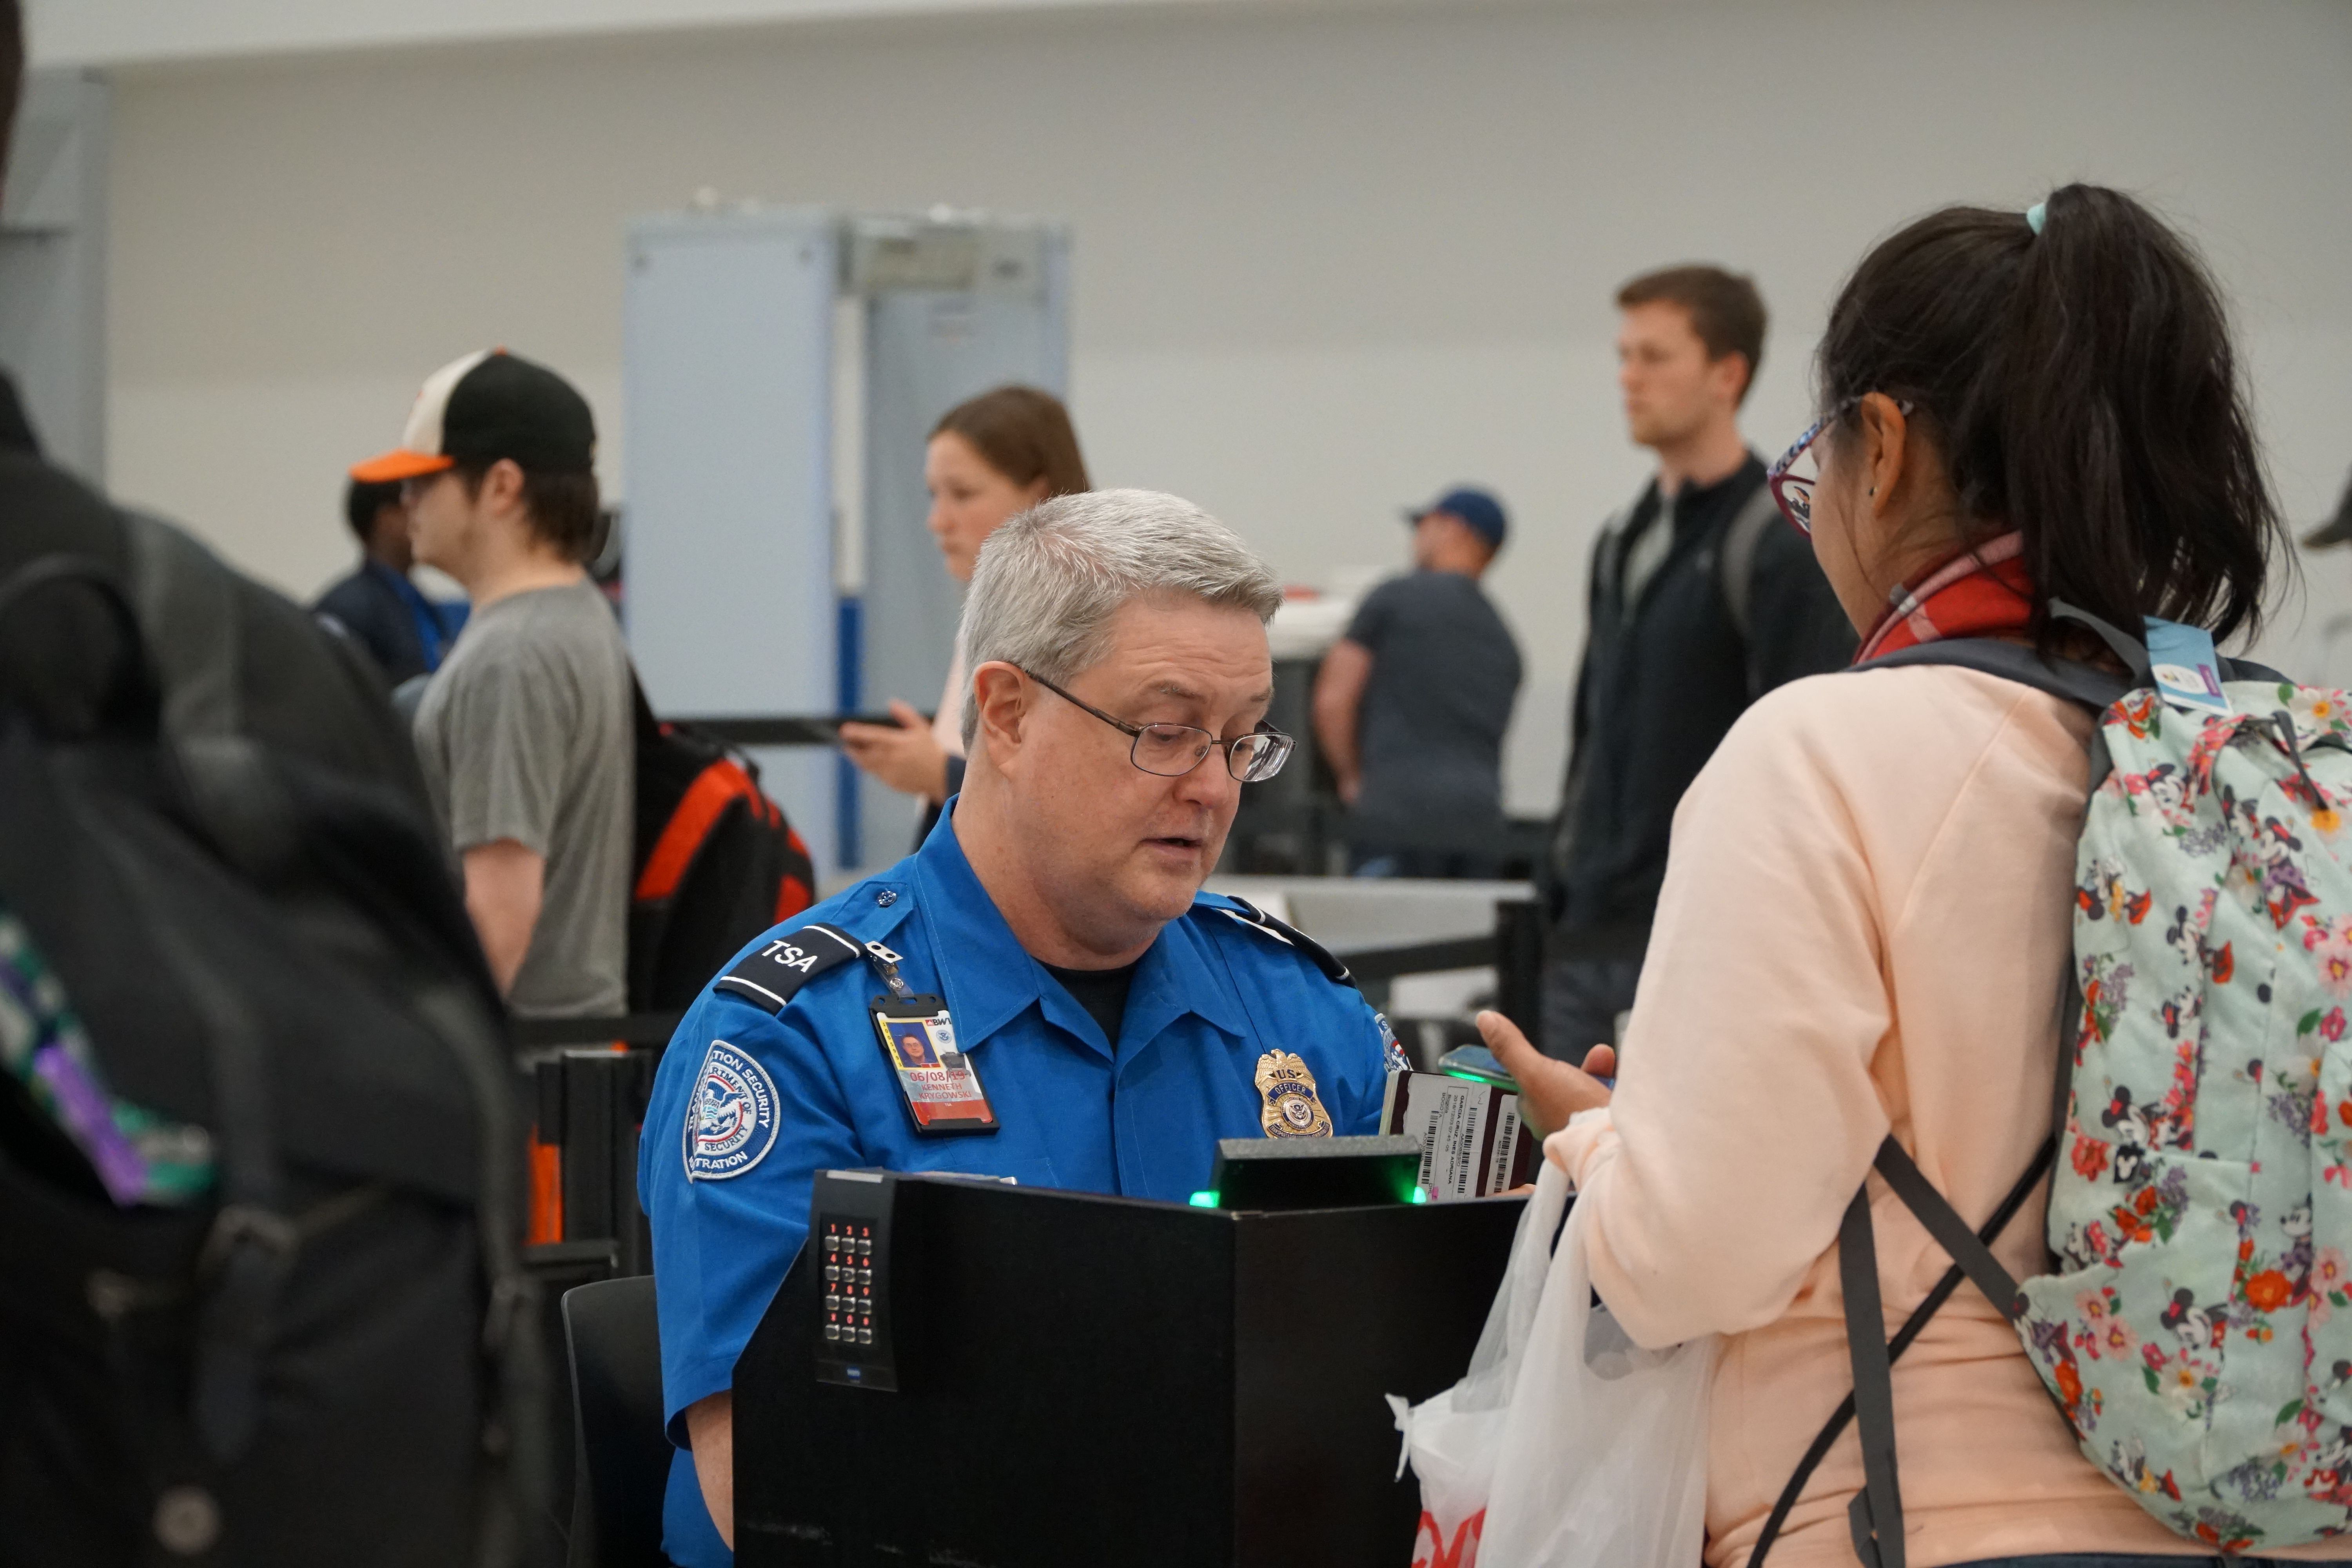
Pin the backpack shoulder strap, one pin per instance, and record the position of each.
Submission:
(186, 603)
(2084, 685)
(1609, 545)
(641, 712)
(1736, 562)
(1875, 1515)
(1893, 1167)
(188, 614)
(2088, 684)
(1874, 1518)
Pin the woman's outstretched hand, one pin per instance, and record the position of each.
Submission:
(1550, 1091)
(907, 758)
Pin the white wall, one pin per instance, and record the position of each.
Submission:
(1326, 260)
(148, 32)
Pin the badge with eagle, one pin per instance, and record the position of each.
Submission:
(1288, 1107)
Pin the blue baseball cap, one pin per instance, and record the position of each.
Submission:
(1482, 512)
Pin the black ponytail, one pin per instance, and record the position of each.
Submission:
(2082, 386)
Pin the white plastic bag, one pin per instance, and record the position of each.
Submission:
(1567, 1445)
(1452, 1439)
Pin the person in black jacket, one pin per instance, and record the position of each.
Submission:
(65, 660)
(1701, 600)
(405, 633)
(214, 835)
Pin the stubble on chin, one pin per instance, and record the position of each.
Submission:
(1166, 894)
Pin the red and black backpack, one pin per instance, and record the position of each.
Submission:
(716, 863)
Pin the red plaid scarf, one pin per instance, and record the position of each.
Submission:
(1983, 592)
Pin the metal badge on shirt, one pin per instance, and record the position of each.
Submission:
(1289, 1107)
(937, 1083)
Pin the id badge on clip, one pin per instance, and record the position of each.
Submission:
(937, 1082)
(2186, 672)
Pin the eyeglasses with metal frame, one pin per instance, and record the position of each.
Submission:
(1171, 750)
(1792, 479)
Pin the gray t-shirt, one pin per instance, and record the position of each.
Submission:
(1430, 729)
(526, 733)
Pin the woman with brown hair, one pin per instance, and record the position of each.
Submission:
(989, 459)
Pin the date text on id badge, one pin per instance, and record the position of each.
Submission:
(937, 1083)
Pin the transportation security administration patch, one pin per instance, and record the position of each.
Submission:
(732, 1122)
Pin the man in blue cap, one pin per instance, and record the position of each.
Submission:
(1412, 704)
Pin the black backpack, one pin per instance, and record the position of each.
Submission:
(331, 1357)
(716, 863)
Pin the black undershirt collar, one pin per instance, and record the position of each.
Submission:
(1101, 992)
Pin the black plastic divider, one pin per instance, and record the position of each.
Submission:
(591, 1107)
(622, 1029)
(588, 1107)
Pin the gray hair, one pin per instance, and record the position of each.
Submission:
(1049, 581)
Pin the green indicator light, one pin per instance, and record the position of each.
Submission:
(1420, 1194)
(1204, 1200)
(1509, 1086)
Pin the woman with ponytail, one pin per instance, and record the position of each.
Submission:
(1866, 921)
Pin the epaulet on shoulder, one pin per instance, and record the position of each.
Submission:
(771, 974)
(1242, 912)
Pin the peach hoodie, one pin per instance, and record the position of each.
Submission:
(1864, 917)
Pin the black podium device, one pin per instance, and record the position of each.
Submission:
(1023, 1378)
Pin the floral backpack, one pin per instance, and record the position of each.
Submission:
(2196, 1327)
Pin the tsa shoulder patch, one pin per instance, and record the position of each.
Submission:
(731, 1119)
(772, 974)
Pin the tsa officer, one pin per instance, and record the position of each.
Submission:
(1041, 990)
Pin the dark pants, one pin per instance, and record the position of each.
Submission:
(1583, 1000)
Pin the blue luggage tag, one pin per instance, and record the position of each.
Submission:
(2188, 671)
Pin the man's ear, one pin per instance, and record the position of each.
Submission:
(503, 485)
(1732, 376)
(1003, 697)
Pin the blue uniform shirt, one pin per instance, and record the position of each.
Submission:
(1211, 995)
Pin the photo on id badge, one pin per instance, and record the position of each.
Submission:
(937, 1083)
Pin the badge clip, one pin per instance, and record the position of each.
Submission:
(886, 964)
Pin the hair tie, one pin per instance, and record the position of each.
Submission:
(2036, 215)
